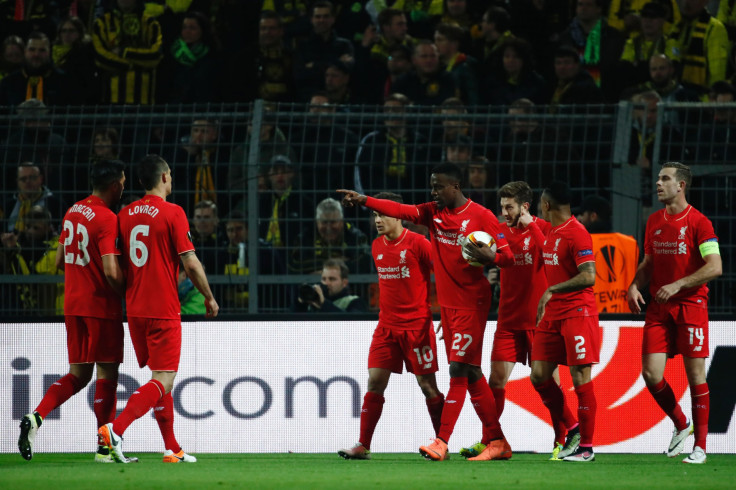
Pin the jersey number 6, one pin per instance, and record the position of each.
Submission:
(136, 246)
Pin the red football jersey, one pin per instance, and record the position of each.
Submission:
(673, 242)
(90, 230)
(459, 284)
(404, 266)
(523, 283)
(153, 234)
(568, 246)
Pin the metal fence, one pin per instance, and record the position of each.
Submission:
(268, 167)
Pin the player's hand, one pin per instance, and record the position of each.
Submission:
(479, 253)
(438, 330)
(542, 305)
(493, 275)
(212, 308)
(666, 292)
(9, 240)
(524, 219)
(352, 198)
(635, 299)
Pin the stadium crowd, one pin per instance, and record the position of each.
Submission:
(455, 58)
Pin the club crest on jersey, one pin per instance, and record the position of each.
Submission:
(557, 244)
(464, 225)
(526, 243)
(682, 233)
(402, 257)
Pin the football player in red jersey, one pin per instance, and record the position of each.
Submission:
(567, 331)
(155, 238)
(464, 296)
(404, 335)
(93, 313)
(522, 284)
(681, 255)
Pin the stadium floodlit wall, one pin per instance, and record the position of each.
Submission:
(298, 386)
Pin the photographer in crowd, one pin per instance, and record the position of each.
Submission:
(332, 295)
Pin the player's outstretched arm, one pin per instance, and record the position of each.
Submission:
(641, 279)
(195, 271)
(352, 198)
(113, 273)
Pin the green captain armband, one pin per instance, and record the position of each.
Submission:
(709, 247)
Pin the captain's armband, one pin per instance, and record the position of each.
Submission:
(709, 247)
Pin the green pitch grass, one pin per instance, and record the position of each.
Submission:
(384, 471)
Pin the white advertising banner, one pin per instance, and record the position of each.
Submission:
(249, 387)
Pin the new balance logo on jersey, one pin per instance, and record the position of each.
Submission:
(526, 243)
(405, 272)
(464, 225)
(98, 400)
(581, 356)
(437, 220)
(57, 383)
(380, 257)
(557, 244)
(158, 409)
(402, 257)
(682, 248)
(450, 401)
(658, 232)
(682, 233)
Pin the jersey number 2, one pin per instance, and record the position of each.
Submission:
(137, 246)
(82, 242)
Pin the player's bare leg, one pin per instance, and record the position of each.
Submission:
(587, 407)
(652, 370)
(695, 370)
(434, 398)
(370, 414)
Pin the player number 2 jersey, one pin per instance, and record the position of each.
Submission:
(153, 233)
(89, 231)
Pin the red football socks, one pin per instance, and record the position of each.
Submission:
(586, 412)
(701, 408)
(59, 392)
(665, 398)
(105, 401)
(554, 399)
(454, 401)
(164, 413)
(369, 416)
(434, 407)
(499, 396)
(140, 402)
(485, 406)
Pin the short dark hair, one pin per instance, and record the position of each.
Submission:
(557, 193)
(499, 17)
(452, 32)
(38, 213)
(391, 196)
(105, 173)
(682, 172)
(387, 16)
(38, 35)
(449, 169)
(322, 4)
(517, 190)
(206, 204)
(337, 264)
(150, 170)
(567, 51)
(271, 15)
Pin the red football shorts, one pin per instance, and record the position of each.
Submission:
(392, 349)
(571, 341)
(463, 332)
(676, 328)
(512, 345)
(157, 342)
(91, 339)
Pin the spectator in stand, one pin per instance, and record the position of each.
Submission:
(284, 209)
(398, 64)
(456, 12)
(11, 55)
(479, 188)
(454, 121)
(644, 133)
(393, 32)
(30, 251)
(105, 145)
(704, 57)
(321, 48)
(332, 295)
(712, 139)
(191, 68)
(727, 15)
(393, 157)
(274, 61)
(515, 78)
(331, 238)
(463, 68)
(201, 165)
(207, 236)
(574, 85)
(338, 86)
(428, 83)
(30, 192)
(598, 45)
(73, 53)
(627, 16)
(662, 80)
(495, 29)
(594, 213)
(127, 58)
(38, 78)
(641, 46)
(458, 150)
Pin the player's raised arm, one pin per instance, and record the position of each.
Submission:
(195, 271)
(352, 198)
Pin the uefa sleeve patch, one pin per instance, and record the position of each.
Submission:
(500, 235)
(584, 253)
